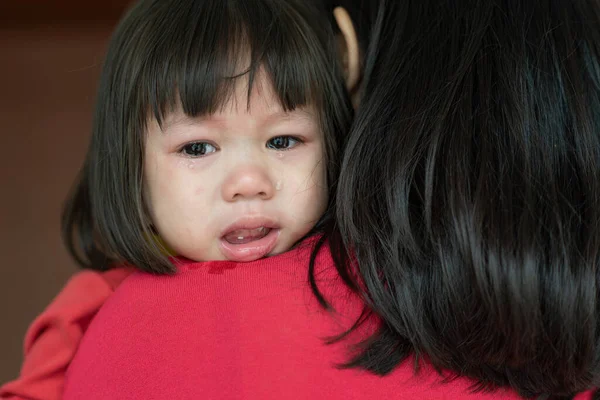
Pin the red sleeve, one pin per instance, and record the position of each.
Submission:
(53, 337)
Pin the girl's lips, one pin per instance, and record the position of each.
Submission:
(250, 250)
(242, 236)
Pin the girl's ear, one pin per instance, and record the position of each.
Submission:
(350, 51)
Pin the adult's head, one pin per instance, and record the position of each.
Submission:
(470, 189)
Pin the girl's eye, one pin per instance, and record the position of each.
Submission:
(283, 142)
(197, 149)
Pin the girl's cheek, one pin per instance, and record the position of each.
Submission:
(187, 164)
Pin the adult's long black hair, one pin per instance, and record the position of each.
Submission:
(469, 196)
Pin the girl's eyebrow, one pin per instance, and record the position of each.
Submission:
(299, 114)
(174, 120)
(181, 119)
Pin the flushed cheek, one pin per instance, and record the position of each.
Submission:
(306, 197)
(314, 177)
(159, 172)
(173, 194)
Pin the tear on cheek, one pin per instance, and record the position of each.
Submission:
(189, 164)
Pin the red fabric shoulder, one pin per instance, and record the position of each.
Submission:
(53, 337)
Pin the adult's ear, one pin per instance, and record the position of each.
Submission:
(350, 50)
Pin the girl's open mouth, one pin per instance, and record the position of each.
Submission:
(243, 245)
(244, 236)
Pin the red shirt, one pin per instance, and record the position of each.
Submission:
(52, 339)
(225, 330)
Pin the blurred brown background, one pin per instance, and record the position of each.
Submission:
(50, 57)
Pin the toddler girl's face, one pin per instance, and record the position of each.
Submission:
(241, 184)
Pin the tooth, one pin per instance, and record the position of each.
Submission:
(240, 238)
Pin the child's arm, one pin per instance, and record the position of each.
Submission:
(53, 337)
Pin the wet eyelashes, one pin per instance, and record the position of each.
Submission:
(198, 149)
(283, 142)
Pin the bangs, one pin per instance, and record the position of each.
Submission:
(194, 59)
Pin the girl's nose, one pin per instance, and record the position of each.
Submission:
(248, 182)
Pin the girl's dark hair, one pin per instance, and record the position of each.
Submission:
(189, 52)
(469, 195)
